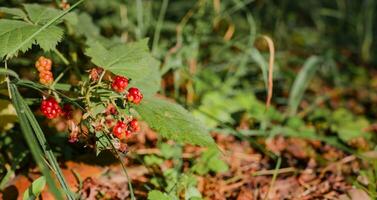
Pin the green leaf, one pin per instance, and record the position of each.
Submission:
(192, 193)
(33, 191)
(102, 143)
(210, 161)
(169, 151)
(347, 125)
(150, 160)
(157, 195)
(39, 14)
(86, 27)
(132, 60)
(16, 35)
(172, 121)
(14, 32)
(16, 12)
(301, 83)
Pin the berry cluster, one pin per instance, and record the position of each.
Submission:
(103, 91)
(51, 108)
(122, 130)
(119, 85)
(43, 65)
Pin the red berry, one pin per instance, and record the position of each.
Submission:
(134, 95)
(43, 64)
(46, 77)
(134, 125)
(119, 130)
(50, 108)
(119, 83)
(128, 133)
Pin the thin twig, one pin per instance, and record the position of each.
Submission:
(123, 167)
(61, 56)
(271, 172)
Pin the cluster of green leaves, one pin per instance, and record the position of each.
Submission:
(174, 183)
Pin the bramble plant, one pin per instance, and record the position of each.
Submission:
(102, 108)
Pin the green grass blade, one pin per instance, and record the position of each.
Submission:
(262, 64)
(32, 141)
(301, 83)
(43, 144)
(274, 176)
(156, 35)
(48, 151)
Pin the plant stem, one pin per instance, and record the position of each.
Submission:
(156, 35)
(139, 11)
(274, 177)
(60, 76)
(61, 56)
(123, 166)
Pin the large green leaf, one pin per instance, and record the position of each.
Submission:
(132, 60)
(37, 26)
(14, 32)
(172, 121)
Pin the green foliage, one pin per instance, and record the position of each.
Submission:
(36, 187)
(172, 121)
(157, 195)
(153, 160)
(102, 143)
(210, 161)
(367, 180)
(219, 107)
(19, 34)
(348, 126)
(131, 60)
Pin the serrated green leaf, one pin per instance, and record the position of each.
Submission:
(18, 13)
(172, 121)
(14, 32)
(86, 26)
(33, 191)
(38, 29)
(39, 14)
(132, 60)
